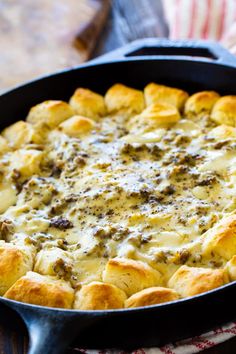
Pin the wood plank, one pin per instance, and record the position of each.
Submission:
(39, 37)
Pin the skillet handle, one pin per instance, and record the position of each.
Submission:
(47, 335)
(161, 48)
(50, 330)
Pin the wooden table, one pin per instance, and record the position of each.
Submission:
(127, 22)
(38, 37)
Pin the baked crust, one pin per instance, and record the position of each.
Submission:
(224, 111)
(42, 290)
(26, 162)
(221, 239)
(223, 132)
(129, 275)
(200, 102)
(158, 115)
(155, 93)
(51, 113)
(99, 296)
(4, 147)
(151, 296)
(8, 196)
(87, 103)
(231, 268)
(54, 261)
(15, 261)
(121, 98)
(21, 133)
(77, 126)
(190, 281)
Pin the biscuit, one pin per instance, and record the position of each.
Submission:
(155, 93)
(200, 103)
(231, 268)
(15, 261)
(121, 98)
(21, 133)
(51, 113)
(151, 296)
(224, 111)
(99, 296)
(221, 238)
(77, 126)
(42, 290)
(87, 103)
(129, 275)
(155, 116)
(190, 281)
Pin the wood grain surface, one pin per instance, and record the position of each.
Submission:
(39, 37)
(128, 20)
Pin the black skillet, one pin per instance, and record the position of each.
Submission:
(192, 66)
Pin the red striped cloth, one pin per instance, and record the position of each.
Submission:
(206, 19)
(188, 346)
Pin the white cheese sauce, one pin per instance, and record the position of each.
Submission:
(110, 193)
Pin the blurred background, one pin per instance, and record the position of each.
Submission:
(39, 37)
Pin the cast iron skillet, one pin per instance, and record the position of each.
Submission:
(192, 66)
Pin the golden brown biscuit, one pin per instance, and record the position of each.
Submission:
(4, 147)
(151, 296)
(224, 111)
(99, 296)
(231, 268)
(77, 126)
(221, 239)
(129, 275)
(155, 93)
(88, 269)
(155, 116)
(54, 261)
(223, 132)
(190, 281)
(21, 133)
(88, 103)
(51, 113)
(26, 162)
(8, 196)
(121, 98)
(42, 290)
(15, 261)
(200, 102)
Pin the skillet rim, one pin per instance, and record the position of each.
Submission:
(168, 304)
(99, 62)
(103, 62)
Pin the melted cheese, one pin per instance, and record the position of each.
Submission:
(148, 196)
